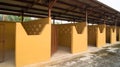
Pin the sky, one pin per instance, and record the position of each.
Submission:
(112, 3)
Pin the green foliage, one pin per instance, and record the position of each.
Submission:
(14, 18)
(17, 18)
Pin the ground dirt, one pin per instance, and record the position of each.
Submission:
(106, 57)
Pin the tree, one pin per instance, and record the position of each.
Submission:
(17, 18)
(13, 18)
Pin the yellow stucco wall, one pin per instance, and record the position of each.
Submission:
(101, 35)
(9, 35)
(64, 35)
(79, 37)
(118, 34)
(73, 36)
(108, 34)
(97, 35)
(92, 35)
(33, 42)
(111, 34)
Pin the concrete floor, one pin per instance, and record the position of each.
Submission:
(61, 55)
(61, 52)
(9, 60)
(62, 58)
(108, 56)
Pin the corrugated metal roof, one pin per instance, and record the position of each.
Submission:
(71, 10)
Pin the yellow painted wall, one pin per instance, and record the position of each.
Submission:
(108, 34)
(111, 34)
(33, 44)
(64, 35)
(101, 35)
(9, 35)
(73, 36)
(92, 35)
(97, 35)
(118, 33)
(79, 36)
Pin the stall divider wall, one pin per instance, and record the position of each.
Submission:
(108, 34)
(73, 36)
(54, 39)
(118, 33)
(9, 35)
(111, 34)
(92, 30)
(97, 35)
(101, 35)
(64, 35)
(7, 41)
(79, 37)
(33, 42)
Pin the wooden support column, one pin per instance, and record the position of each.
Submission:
(51, 4)
(22, 19)
(54, 31)
(105, 19)
(86, 16)
(116, 23)
(53, 21)
(49, 12)
(2, 41)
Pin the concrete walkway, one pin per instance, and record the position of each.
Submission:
(108, 56)
(9, 59)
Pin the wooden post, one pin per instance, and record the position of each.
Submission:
(49, 12)
(86, 16)
(53, 21)
(2, 41)
(51, 4)
(104, 19)
(22, 19)
(115, 23)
